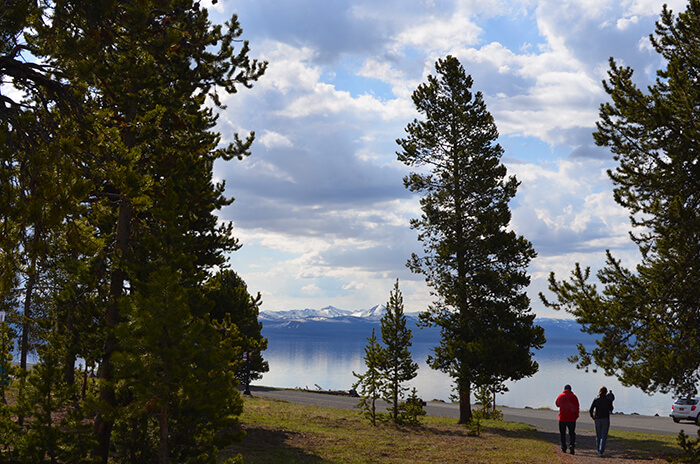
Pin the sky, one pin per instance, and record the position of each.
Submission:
(320, 207)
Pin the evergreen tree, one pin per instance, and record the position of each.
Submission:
(397, 365)
(647, 318)
(51, 437)
(173, 367)
(370, 384)
(476, 267)
(411, 410)
(232, 302)
(43, 222)
(150, 66)
(135, 165)
(37, 80)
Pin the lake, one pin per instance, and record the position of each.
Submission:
(304, 360)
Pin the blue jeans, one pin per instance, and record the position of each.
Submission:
(601, 433)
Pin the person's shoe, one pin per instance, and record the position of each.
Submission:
(572, 450)
(563, 450)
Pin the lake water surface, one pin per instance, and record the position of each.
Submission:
(306, 361)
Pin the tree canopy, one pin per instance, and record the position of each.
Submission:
(475, 265)
(109, 227)
(648, 318)
(232, 303)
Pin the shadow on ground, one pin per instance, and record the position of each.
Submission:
(271, 447)
(634, 450)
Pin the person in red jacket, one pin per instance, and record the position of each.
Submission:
(568, 413)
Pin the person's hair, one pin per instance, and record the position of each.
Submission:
(603, 391)
(567, 387)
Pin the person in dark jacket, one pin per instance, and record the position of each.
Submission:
(568, 406)
(600, 413)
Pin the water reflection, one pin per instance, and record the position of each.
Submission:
(305, 362)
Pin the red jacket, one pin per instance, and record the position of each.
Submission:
(568, 406)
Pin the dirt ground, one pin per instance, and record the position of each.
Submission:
(586, 452)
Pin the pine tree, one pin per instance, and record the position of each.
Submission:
(44, 233)
(171, 359)
(647, 318)
(412, 409)
(370, 384)
(397, 364)
(64, 437)
(476, 267)
(142, 150)
(150, 67)
(232, 302)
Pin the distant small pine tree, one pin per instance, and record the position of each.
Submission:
(411, 410)
(369, 385)
(397, 365)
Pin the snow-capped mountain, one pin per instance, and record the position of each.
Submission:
(329, 314)
(327, 323)
(323, 314)
(373, 313)
(330, 320)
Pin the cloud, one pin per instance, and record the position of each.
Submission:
(310, 289)
(320, 205)
(624, 23)
(439, 33)
(271, 140)
(569, 208)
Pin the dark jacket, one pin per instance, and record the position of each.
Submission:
(601, 408)
(568, 406)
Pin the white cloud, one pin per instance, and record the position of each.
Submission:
(310, 289)
(354, 286)
(320, 205)
(290, 68)
(651, 7)
(439, 33)
(271, 139)
(624, 23)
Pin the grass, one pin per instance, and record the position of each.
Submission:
(646, 446)
(286, 433)
(279, 432)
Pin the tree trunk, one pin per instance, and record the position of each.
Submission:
(26, 318)
(26, 323)
(69, 373)
(163, 450)
(396, 403)
(465, 407)
(102, 426)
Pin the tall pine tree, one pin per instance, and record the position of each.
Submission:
(647, 318)
(475, 265)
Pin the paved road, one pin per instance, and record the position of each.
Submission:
(544, 420)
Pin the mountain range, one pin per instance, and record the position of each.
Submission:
(328, 313)
(331, 322)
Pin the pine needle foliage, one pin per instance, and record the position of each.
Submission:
(474, 263)
(370, 384)
(647, 318)
(397, 365)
